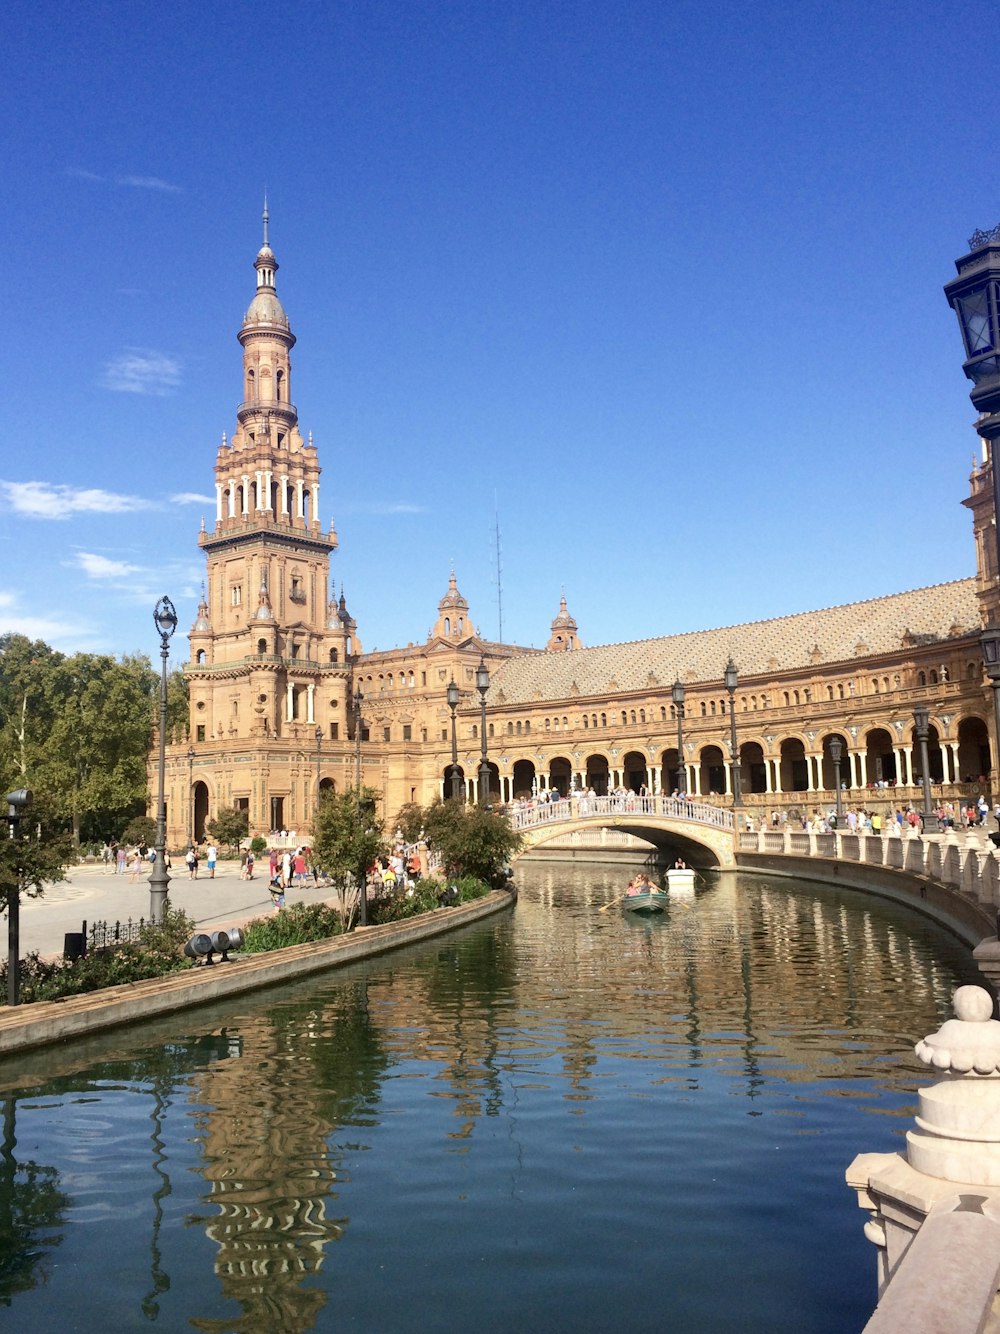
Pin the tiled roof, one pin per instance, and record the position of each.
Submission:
(808, 640)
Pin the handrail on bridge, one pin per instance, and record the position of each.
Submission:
(586, 807)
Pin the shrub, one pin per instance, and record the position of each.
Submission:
(297, 924)
(258, 845)
(427, 895)
(158, 951)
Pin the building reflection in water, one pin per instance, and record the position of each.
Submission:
(748, 981)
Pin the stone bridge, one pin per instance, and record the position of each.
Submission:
(704, 835)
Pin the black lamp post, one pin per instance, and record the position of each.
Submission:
(17, 802)
(836, 751)
(453, 698)
(736, 776)
(974, 296)
(359, 699)
(921, 717)
(482, 685)
(677, 693)
(319, 756)
(165, 620)
(990, 642)
(190, 796)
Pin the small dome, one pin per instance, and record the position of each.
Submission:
(265, 308)
(201, 624)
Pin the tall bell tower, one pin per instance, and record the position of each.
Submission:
(270, 648)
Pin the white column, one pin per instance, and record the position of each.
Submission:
(310, 696)
(809, 774)
(232, 497)
(260, 486)
(727, 770)
(908, 761)
(218, 502)
(289, 702)
(268, 476)
(863, 757)
(284, 493)
(953, 747)
(299, 512)
(246, 495)
(315, 501)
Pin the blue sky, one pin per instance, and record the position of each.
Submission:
(656, 285)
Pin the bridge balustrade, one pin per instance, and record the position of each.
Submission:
(570, 809)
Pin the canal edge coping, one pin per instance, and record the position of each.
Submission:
(43, 1023)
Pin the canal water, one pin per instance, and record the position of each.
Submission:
(560, 1120)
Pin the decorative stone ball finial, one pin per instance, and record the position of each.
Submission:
(969, 1043)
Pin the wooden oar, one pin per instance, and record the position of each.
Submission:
(612, 903)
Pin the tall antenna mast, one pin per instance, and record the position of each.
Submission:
(499, 567)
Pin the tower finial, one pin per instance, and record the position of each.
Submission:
(267, 218)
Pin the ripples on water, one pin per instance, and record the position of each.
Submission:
(565, 1119)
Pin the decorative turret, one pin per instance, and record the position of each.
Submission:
(564, 636)
(453, 614)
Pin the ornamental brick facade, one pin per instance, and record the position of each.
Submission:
(276, 667)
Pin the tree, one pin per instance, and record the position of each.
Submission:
(230, 826)
(347, 834)
(140, 829)
(410, 821)
(471, 841)
(35, 857)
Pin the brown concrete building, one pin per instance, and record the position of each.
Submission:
(285, 702)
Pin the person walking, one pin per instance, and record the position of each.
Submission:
(211, 856)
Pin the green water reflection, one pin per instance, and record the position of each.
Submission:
(491, 1128)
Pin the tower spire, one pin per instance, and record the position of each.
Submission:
(267, 219)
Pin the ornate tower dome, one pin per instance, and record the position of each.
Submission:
(453, 614)
(564, 636)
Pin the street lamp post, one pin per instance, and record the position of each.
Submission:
(453, 698)
(974, 296)
(921, 717)
(319, 757)
(190, 819)
(482, 685)
(736, 774)
(836, 751)
(165, 620)
(678, 697)
(989, 639)
(16, 803)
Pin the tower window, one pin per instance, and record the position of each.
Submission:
(236, 595)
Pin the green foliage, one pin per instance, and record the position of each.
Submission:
(158, 951)
(426, 896)
(347, 834)
(297, 924)
(178, 707)
(140, 829)
(258, 844)
(229, 827)
(410, 821)
(77, 731)
(34, 858)
(471, 841)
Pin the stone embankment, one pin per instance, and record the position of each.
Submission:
(46, 1022)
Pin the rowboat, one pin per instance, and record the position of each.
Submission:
(645, 903)
(681, 881)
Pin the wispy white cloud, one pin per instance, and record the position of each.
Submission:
(192, 498)
(101, 567)
(135, 182)
(142, 371)
(66, 635)
(393, 507)
(46, 500)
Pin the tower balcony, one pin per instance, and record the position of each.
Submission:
(273, 407)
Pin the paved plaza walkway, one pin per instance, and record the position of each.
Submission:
(90, 893)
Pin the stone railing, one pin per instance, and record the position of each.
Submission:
(574, 808)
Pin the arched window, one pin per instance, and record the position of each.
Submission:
(921, 679)
(261, 646)
(491, 729)
(201, 655)
(633, 718)
(251, 386)
(624, 718)
(642, 715)
(527, 727)
(712, 708)
(447, 625)
(829, 693)
(787, 700)
(510, 729)
(795, 697)
(934, 677)
(333, 655)
(475, 731)
(519, 729)
(663, 713)
(604, 720)
(548, 723)
(586, 721)
(704, 709)
(279, 381)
